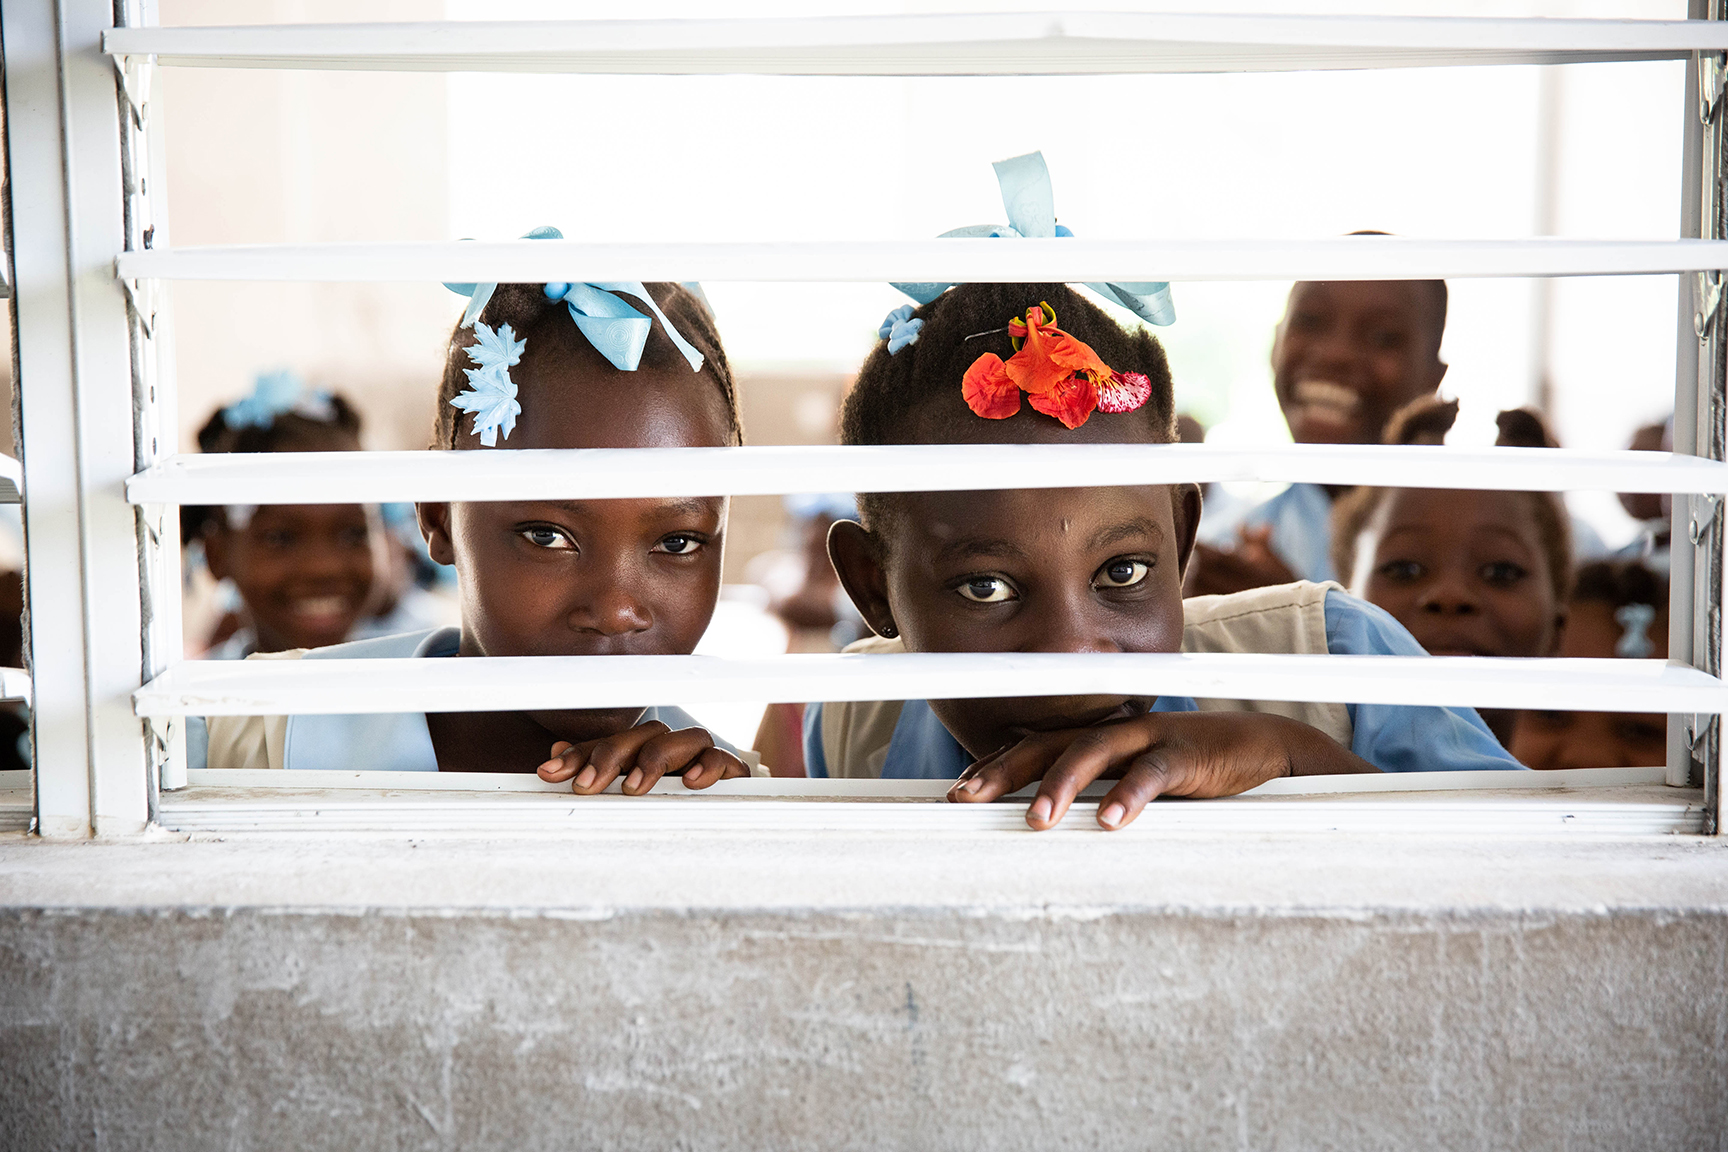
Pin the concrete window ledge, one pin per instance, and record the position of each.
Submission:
(915, 990)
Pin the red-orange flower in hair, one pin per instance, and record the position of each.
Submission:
(988, 390)
(1048, 356)
(1070, 401)
(1063, 377)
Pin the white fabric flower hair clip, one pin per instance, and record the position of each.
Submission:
(492, 395)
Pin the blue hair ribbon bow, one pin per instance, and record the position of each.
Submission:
(274, 393)
(615, 329)
(1634, 641)
(1031, 207)
(899, 328)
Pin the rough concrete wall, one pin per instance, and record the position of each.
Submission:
(750, 1030)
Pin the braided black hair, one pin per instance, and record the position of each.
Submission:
(1617, 583)
(547, 329)
(300, 429)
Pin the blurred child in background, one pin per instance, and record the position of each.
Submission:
(1469, 573)
(804, 592)
(1619, 608)
(1345, 357)
(1651, 509)
(302, 575)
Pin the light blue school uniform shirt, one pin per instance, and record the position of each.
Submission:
(1392, 737)
(381, 741)
(1301, 522)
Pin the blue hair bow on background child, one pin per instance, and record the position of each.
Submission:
(1031, 207)
(274, 393)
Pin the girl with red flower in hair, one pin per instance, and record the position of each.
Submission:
(1095, 569)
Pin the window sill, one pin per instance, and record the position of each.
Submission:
(1599, 803)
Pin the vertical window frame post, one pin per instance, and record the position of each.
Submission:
(75, 384)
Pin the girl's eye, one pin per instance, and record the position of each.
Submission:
(680, 544)
(1122, 573)
(1502, 573)
(987, 590)
(1402, 571)
(548, 538)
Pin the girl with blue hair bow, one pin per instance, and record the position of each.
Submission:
(553, 366)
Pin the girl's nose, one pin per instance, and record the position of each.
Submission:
(612, 612)
(1070, 628)
(1449, 594)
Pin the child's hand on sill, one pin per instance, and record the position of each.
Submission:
(1192, 754)
(642, 756)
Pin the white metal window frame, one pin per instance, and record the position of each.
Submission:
(90, 257)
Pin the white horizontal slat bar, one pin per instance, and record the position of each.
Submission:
(522, 683)
(1033, 43)
(949, 261)
(11, 481)
(14, 685)
(1590, 813)
(603, 473)
(801, 788)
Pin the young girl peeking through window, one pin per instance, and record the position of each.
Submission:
(553, 366)
(1469, 573)
(1077, 570)
(305, 575)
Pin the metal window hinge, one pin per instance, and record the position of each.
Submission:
(1703, 514)
(1712, 72)
(1697, 727)
(145, 308)
(1707, 296)
(135, 74)
(161, 729)
(153, 516)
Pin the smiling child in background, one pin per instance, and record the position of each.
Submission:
(1346, 356)
(306, 575)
